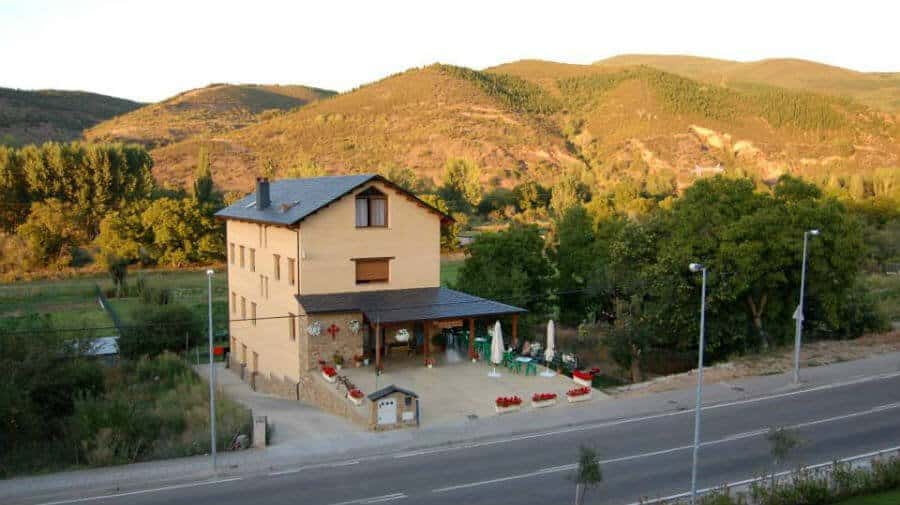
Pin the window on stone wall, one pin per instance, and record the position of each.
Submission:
(242, 256)
(276, 270)
(233, 302)
(292, 323)
(243, 308)
(231, 252)
(252, 260)
(292, 273)
(371, 209)
(253, 313)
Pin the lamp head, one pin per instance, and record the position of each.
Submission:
(695, 267)
(814, 232)
(209, 272)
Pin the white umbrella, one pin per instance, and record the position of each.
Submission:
(496, 349)
(551, 348)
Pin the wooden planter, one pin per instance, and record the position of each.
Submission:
(543, 403)
(579, 398)
(506, 410)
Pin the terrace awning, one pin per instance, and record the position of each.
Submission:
(402, 305)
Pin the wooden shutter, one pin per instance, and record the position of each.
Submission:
(372, 270)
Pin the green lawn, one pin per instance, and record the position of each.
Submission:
(889, 498)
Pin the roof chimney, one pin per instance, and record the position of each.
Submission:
(262, 193)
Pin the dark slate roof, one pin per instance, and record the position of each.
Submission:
(381, 393)
(396, 305)
(296, 199)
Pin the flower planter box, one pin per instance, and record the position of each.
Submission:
(356, 401)
(328, 378)
(582, 382)
(579, 398)
(506, 410)
(543, 403)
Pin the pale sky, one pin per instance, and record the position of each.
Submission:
(150, 50)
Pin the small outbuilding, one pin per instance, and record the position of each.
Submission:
(393, 408)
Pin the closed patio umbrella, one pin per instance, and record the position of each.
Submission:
(551, 348)
(496, 349)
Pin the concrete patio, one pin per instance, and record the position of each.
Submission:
(456, 389)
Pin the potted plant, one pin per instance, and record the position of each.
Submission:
(583, 378)
(329, 373)
(365, 360)
(581, 394)
(338, 360)
(504, 404)
(539, 400)
(357, 360)
(429, 362)
(356, 396)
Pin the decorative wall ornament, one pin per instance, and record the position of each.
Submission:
(402, 335)
(314, 329)
(333, 330)
(355, 325)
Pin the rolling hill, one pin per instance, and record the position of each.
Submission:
(41, 115)
(212, 110)
(417, 119)
(540, 119)
(879, 90)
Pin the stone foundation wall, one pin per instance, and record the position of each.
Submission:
(275, 385)
(314, 390)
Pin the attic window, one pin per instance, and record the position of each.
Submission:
(371, 209)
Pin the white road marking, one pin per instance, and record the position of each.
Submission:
(144, 491)
(729, 438)
(374, 499)
(310, 467)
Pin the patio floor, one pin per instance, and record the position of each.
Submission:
(456, 389)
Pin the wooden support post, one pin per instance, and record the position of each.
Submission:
(427, 340)
(515, 330)
(377, 346)
(471, 338)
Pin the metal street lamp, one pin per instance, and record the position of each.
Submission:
(697, 267)
(798, 314)
(212, 375)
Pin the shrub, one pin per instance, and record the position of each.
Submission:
(158, 328)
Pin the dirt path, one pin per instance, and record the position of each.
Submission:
(775, 362)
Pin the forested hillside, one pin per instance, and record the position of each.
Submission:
(38, 116)
(213, 110)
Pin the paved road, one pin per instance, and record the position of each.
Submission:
(642, 457)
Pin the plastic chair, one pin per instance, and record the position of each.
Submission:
(531, 368)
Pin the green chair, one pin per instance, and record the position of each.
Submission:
(531, 368)
(518, 366)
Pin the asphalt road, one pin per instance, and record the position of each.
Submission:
(642, 457)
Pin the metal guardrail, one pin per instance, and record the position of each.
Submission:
(820, 470)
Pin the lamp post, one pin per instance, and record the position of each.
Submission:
(798, 314)
(697, 267)
(212, 374)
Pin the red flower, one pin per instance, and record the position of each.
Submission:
(578, 374)
(355, 393)
(579, 391)
(542, 397)
(595, 371)
(329, 371)
(508, 401)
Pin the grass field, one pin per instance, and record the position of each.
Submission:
(889, 498)
(886, 290)
(450, 271)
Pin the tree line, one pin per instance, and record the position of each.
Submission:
(61, 199)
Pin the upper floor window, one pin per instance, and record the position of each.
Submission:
(252, 260)
(231, 252)
(276, 260)
(242, 256)
(371, 209)
(372, 270)
(292, 271)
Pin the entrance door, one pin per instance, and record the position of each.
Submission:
(387, 411)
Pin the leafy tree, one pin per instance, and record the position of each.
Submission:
(587, 473)
(531, 195)
(118, 271)
(509, 266)
(122, 235)
(203, 182)
(406, 178)
(13, 208)
(573, 253)
(568, 192)
(462, 185)
(449, 231)
(496, 200)
(50, 234)
(181, 233)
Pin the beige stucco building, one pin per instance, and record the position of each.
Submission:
(330, 269)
